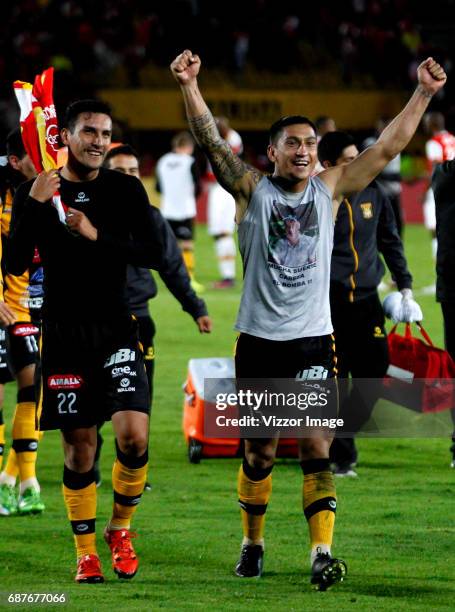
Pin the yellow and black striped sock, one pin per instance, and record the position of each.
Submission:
(254, 487)
(2, 438)
(319, 502)
(79, 493)
(188, 258)
(25, 437)
(128, 479)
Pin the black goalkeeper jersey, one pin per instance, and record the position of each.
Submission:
(86, 280)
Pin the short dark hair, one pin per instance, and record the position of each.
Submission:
(123, 149)
(331, 146)
(277, 127)
(319, 121)
(14, 143)
(84, 106)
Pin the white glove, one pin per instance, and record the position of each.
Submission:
(401, 307)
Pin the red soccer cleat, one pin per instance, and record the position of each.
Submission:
(89, 570)
(124, 560)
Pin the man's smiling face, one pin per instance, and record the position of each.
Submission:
(89, 141)
(294, 153)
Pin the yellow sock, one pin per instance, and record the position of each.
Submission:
(79, 493)
(2, 439)
(319, 501)
(25, 441)
(11, 467)
(188, 258)
(128, 483)
(253, 499)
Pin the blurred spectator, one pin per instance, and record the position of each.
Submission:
(105, 43)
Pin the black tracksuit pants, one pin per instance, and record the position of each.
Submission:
(448, 313)
(361, 350)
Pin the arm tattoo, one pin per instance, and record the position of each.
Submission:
(228, 168)
(424, 92)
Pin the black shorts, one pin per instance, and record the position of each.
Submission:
(183, 228)
(90, 370)
(288, 369)
(23, 345)
(5, 373)
(303, 357)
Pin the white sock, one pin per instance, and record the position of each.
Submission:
(248, 542)
(225, 253)
(318, 548)
(7, 479)
(434, 247)
(29, 483)
(110, 527)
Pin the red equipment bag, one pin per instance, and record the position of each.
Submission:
(194, 407)
(419, 376)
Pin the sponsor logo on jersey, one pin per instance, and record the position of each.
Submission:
(378, 333)
(367, 210)
(35, 302)
(36, 256)
(37, 276)
(125, 382)
(81, 198)
(65, 381)
(121, 356)
(25, 330)
(126, 370)
(125, 389)
(313, 373)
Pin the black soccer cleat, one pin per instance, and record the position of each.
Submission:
(452, 450)
(326, 571)
(251, 561)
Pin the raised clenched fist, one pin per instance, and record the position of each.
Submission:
(431, 76)
(185, 67)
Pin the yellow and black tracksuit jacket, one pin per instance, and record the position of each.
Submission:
(23, 294)
(365, 229)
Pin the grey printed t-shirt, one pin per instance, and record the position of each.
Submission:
(286, 242)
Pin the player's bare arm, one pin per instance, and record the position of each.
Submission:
(7, 316)
(356, 175)
(233, 174)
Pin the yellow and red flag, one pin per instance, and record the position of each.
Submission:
(39, 127)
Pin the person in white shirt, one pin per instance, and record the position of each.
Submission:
(177, 181)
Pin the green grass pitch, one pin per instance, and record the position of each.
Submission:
(395, 523)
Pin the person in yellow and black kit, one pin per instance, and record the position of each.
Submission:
(20, 313)
(365, 227)
(92, 365)
(141, 286)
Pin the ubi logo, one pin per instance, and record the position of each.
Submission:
(125, 382)
(120, 356)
